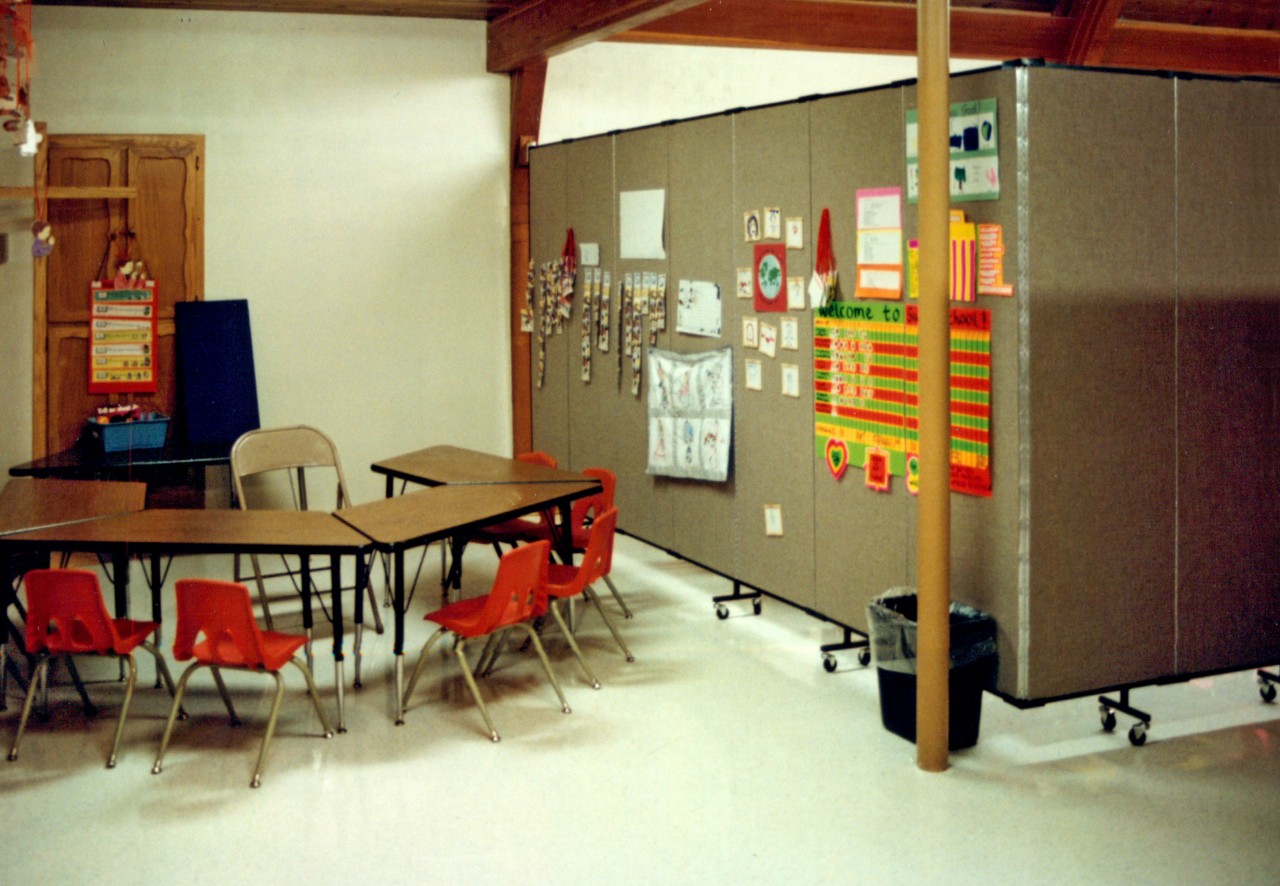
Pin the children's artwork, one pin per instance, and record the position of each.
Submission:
(744, 283)
(641, 223)
(991, 261)
(865, 389)
(795, 233)
(751, 332)
(773, 521)
(964, 259)
(790, 380)
(789, 334)
(602, 314)
(795, 293)
(769, 277)
(876, 468)
(975, 154)
(772, 223)
(837, 457)
(122, 336)
(690, 406)
(751, 225)
(754, 380)
(768, 339)
(879, 216)
(825, 281)
(698, 310)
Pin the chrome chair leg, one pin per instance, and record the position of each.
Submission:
(271, 729)
(459, 650)
(546, 665)
(124, 709)
(39, 675)
(158, 766)
(226, 696)
(417, 669)
(595, 601)
(626, 613)
(573, 645)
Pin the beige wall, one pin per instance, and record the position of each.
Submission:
(356, 194)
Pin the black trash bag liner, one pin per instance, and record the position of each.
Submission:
(891, 619)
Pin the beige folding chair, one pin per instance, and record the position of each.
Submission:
(291, 450)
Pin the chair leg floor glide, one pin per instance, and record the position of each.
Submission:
(272, 718)
(40, 683)
(488, 654)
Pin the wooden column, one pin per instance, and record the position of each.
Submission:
(527, 85)
(934, 362)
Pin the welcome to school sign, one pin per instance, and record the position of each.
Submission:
(866, 390)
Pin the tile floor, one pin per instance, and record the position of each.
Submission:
(724, 754)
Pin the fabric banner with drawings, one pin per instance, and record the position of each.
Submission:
(690, 414)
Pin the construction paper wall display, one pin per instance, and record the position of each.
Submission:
(122, 337)
(770, 277)
(879, 218)
(975, 160)
(690, 414)
(865, 392)
(698, 309)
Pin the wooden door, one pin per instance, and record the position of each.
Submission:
(149, 192)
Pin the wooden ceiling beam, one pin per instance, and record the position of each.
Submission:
(1229, 52)
(855, 27)
(1092, 21)
(542, 28)
(997, 34)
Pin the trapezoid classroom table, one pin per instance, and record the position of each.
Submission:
(162, 532)
(395, 525)
(169, 471)
(28, 503)
(454, 465)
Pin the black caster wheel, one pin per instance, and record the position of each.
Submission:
(1138, 734)
(864, 657)
(829, 663)
(1267, 691)
(757, 605)
(1108, 720)
(722, 611)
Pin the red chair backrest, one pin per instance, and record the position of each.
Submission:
(66, 613)
(594, 505)
(520, 587)
(538, 457)
(597, 560)
(222, 612)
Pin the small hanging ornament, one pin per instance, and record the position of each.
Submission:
(44, 239)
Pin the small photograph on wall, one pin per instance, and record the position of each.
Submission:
(751, 225)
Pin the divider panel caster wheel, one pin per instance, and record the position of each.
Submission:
(829, 663)
(1266, 690)
(756, 605)
(1108, 718)
(722, 611)
(1138, 734)
(864, 657)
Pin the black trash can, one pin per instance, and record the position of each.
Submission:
(892, 621)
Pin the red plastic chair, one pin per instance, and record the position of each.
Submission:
(66, 615)
(584, 511)
(518, 528)
(518, 594)
(566, 582)
(216, 627)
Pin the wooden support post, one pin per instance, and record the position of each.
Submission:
(527, 85)
(934, 364)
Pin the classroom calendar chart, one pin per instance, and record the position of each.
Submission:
(690, 414)
(866, 389)
(122, 337)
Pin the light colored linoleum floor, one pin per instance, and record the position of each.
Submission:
(724, 754)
